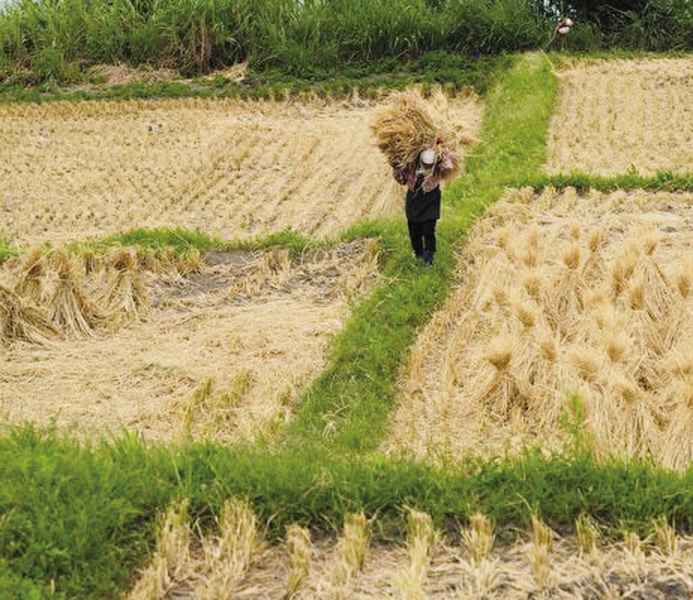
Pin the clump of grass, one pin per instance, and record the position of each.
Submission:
(665, 537)
(172, 561)
(228, 556)
(478, 538)
(588, 534)
(421, 538)
(300, 550)
(542, 542)
(352, 549)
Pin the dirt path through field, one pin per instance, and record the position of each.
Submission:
(233, 169)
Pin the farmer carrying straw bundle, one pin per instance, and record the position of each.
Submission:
(420, 156)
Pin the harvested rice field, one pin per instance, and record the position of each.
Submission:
(236, 562)
(616, 115)
(216, 347)
(230, 168)
(561, 295)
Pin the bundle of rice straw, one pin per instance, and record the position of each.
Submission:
(20, 320)
(31, 274)
(69, 308)
(126, 293)
(404, 128)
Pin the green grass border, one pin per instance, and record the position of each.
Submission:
(85, 517)
(453, 72)
(664, 181)
(182, 241)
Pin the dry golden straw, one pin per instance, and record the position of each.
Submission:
(228, 556)
(20, 321)
(300, 551)
(126, 293)
(351, 551)
(616, 115)
(544, 566)
(421, 537)
(561, 297)
(195, 163)
(478, 538)
(404, 128)
(31, 276)
(69, 307)
(246, 330)
(172, 565)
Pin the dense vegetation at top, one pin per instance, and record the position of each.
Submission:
(57, 39)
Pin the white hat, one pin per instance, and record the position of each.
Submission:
(428, 157)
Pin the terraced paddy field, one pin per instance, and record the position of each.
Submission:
(219, 348)
(235, 560)
(616, 115)
(232, 169)
(561, 295)
(551, 318)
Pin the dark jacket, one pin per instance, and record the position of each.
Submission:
(422, 206)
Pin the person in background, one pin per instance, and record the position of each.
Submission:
(422, 204)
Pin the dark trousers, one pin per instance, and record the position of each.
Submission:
(423, 238)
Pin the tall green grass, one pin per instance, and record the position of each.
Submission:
(55, 39)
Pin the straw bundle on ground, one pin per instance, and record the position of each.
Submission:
(20, 321)
(69, 308)
(30, 277)
(126, 292)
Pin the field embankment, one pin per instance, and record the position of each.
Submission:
(235, 170)
(615, 116)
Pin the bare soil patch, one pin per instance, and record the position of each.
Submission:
(221, 352)
(230, 168)
(561, 295)
(616, 115)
